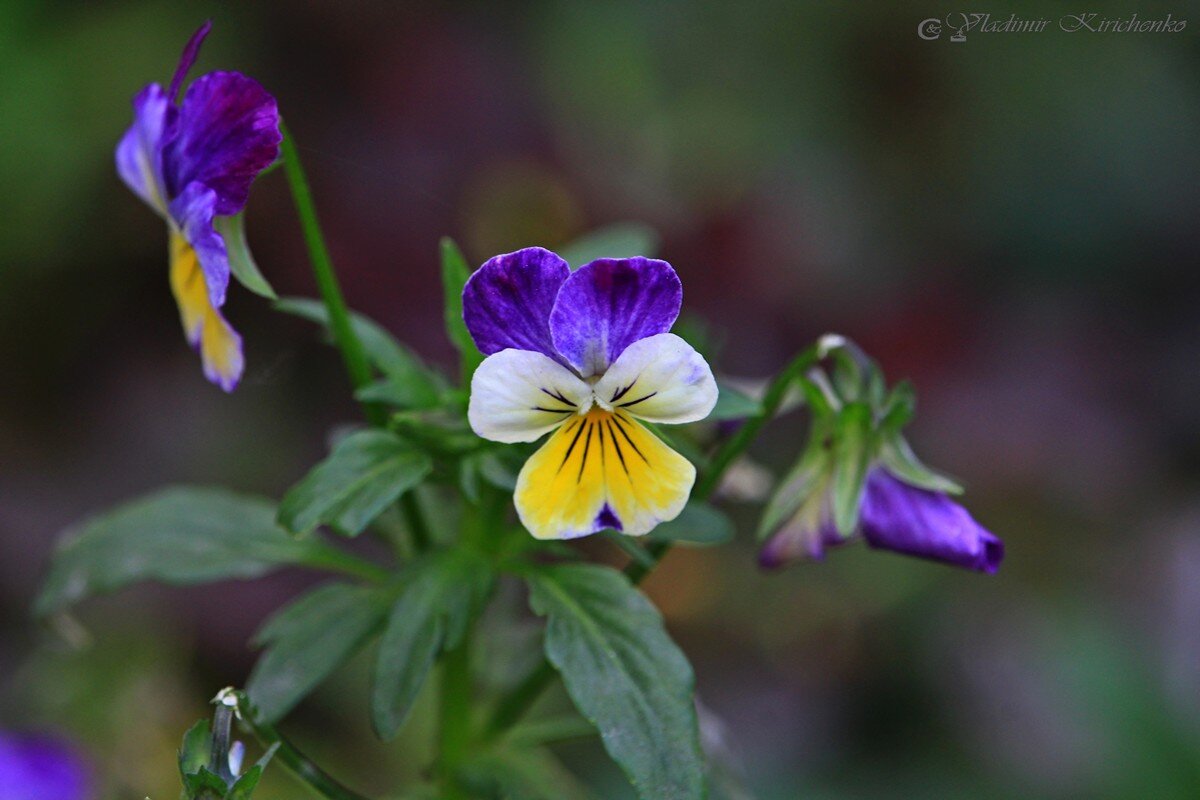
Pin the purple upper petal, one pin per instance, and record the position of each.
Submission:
(193, 212)
(139, 153)
(187, 59)
(41, 768)
(900, 517)
(227, 132)
(609, 304)
(507, 302)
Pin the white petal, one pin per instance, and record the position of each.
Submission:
(660, 379)
(518, 395)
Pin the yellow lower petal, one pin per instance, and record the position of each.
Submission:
(601, 470)
(220, 346)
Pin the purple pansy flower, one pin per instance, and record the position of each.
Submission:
(193, 161)
(586, 355)
(894, 515)
(42, 768)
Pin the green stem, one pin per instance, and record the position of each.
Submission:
(353, 354)
(335, 560)
(455, 716)
(514, 706)
(296, 762)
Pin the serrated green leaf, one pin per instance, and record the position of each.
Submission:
(699, 524)
(853, 450)
(310, 638)
(394, 360)
(734, 404)
(624, 674)
(241, 262)
(901, 461)
(366, 472)
(442, 592)
(455, 273)
(619, 240)
(809, 474)
(181, 535)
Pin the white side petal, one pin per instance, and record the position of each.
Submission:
(518, 395)
(660, 379)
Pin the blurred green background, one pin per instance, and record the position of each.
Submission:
(1009, 221)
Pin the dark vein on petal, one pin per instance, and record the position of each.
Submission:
(586, 447)
(571, 448)
(617, 447)
(621, 428)
(635, 402)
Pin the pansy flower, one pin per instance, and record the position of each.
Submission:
(193, 161)
(893, 515)
(586, 357)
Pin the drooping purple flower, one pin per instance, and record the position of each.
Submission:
(586, 355)
(42, 768)
(893, 515)
(192, 161)
(918, 522)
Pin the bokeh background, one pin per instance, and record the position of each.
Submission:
(1009, 221)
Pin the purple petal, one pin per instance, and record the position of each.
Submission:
(139, 153)
(193, 212)
(609, 304)
(507, 302)
(226, 133)
(41, 768)
(918, 522)
(188, 58)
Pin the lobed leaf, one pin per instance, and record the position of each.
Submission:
(364, 474)
(442, 592)
(181, 535)
(308, 639)
(624, 674)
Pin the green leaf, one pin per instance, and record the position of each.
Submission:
(902, 462)
(181, 535)
(898, 408)
(442, 592)
(204, 784)
(809, 474)
(245, 786)
(366, 472)
(455, 273)
(196, 749)
(853, 449)
(619, 240)
(308, 639)
(698, 524)
(522, 774)
(624, 674)
(396, 362)
(241, 262)
(734, 404)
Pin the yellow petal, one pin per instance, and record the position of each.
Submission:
(602, 470)
(220, 346)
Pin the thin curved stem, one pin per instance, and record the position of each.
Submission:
(353, 354)
(296, 762)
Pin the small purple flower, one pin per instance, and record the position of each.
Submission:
(894, 516)
(586, 356)
(193, 161)
(42, 768)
